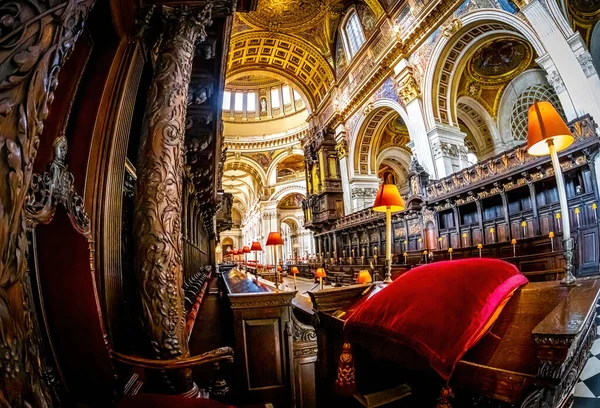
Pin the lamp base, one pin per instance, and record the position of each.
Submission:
(569, 278)
(388, 271)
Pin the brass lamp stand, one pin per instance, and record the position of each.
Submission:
(388, 200)
(548, 134)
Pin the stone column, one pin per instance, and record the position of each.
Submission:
(449, 150)
(37, 38)
(157, 217)
(410, 94)
(363, 190)
(567, 62)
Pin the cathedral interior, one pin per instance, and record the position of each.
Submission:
(301, 203)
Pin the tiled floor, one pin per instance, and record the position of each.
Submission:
(587, 390)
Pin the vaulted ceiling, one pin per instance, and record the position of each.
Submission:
(290, 39)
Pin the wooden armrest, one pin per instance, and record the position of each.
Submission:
(220, 354)
(565, 331)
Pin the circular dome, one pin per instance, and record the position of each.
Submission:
(284, 15)
(500, 60)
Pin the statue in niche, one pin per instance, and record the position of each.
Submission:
(263, 104)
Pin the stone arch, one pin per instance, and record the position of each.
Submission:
(283, 54)
(375, 116)
(515, 88)
(246, 164)
(277, 159)
(449, 53)
(482, 126)
(279, 194)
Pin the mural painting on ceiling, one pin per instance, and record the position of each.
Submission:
(264, 159)
(340, 58)
(420, 58)
(291, 202)
(367, 18)
(291, 167)
(387, 90)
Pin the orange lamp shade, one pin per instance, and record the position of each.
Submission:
(294, 270)
(246, 249)
(320, 273)
(546, 124)
(274, 238)
(364, 277)
(388, 197)
(256, 246)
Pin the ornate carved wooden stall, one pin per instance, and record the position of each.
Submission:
(510, 196)
(94, 103)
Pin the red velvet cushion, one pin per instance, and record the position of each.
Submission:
(167, 401)
(440, 309)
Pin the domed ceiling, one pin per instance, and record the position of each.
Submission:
(292, 39)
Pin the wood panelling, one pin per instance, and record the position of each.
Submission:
(263, 353)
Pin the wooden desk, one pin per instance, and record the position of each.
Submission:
(275, 354)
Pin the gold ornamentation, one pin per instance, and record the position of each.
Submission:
(342, 149)
(451, 27)
(409, 89)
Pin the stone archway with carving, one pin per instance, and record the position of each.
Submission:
(447, 59)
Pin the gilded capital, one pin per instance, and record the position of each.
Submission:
(342, 149)
(408, 89)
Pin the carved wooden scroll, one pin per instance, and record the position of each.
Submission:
(36, 37)
(158, 208)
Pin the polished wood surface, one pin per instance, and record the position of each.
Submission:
(541, 339)
(276, 352)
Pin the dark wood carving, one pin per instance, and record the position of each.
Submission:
(36, 37)
(157, 218)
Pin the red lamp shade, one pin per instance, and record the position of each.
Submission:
(320, 273)
(294, 270)
(274, 239)
(546, 124)
(364, 277)
(246, 250)
(388, 197)
(256, 246)
(236, 252)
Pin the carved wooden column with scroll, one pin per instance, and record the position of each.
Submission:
(36, 39)
(157, 218)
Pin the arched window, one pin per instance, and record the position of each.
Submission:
(354, 37)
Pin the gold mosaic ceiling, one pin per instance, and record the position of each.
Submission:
(288, 38)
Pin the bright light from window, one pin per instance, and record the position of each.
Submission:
(239, 102)
(296, 96)
(285, 91)
(275, 98)
(226, 100)
(354, 34)
(251, 102)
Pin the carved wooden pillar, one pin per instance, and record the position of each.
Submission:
(36, 39)
(157, 218)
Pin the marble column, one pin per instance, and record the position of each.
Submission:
(157, 216)
(449, 150)
(410, 94)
